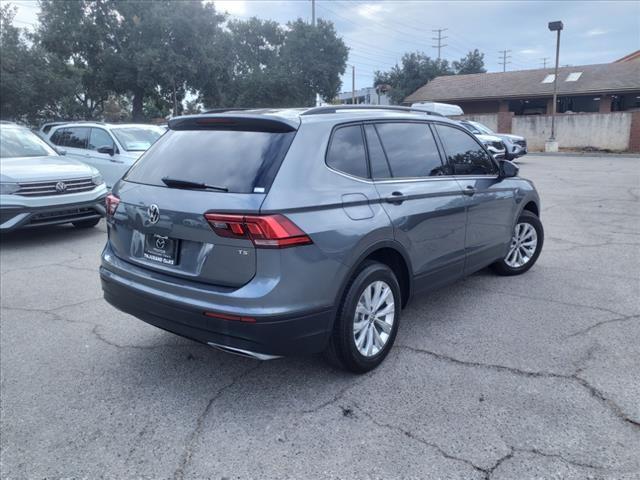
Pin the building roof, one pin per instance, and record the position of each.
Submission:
(597, 79)
(627, 58)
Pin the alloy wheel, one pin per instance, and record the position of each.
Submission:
(523, 245)
(373, 318)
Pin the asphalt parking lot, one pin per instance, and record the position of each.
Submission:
(505, 378)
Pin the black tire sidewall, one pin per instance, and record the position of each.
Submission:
(350, 356)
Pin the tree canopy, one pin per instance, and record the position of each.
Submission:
(417, 69)
(90, 58)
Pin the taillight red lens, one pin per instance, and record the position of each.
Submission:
(111, 204)
(265, 231)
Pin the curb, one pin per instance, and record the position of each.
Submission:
(582, 154)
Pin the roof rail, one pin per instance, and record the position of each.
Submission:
(337, 108)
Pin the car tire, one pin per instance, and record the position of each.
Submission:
(526, 245)
(366, 326)
(86, 223)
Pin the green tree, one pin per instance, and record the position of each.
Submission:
(272, 66)
(137, 48)
(34, 85)
(473, 62)
(416, 70)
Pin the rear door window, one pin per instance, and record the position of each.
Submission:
(346, 151)
(76, 137)
(411, 149)
(464, 153)
(241, 161)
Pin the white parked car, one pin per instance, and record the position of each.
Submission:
(40, 187)
(111, 148)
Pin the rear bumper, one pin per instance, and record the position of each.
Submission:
(296, 333)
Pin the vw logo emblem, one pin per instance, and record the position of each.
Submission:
(61, 187)
(154, 213)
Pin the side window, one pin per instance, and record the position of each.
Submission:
(57, 137)
(346, 151)
(464, 153)
(99, 138)
(411, 149)
(377, 158)
(76, 137)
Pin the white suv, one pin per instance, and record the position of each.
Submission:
(39, 187)
(111, 148)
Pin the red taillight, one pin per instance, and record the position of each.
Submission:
(265, 231)
(233, 318)
(111, 204)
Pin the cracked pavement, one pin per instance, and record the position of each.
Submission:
(526, 377)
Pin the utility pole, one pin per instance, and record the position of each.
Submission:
(544, 62)
(505, 57)
(313, 12)
(439, 39)
(353, 84)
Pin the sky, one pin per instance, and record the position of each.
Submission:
(379, 32)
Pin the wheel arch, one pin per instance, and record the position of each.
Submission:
(393, 255)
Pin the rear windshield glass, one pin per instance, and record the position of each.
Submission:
(242, 162)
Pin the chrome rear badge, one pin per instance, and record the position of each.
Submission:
(154, 213)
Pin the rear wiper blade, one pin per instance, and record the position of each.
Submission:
(177, 183)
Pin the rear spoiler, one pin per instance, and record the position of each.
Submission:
(235, 121)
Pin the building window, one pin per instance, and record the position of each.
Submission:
(549, 78)
(573, 77)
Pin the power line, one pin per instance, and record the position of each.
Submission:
(505, 59)
(439, 39)
(544, 62)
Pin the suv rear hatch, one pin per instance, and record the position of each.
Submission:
(219, 165)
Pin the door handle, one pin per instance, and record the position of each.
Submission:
(396, 198)
(113, 160)
(469, 190)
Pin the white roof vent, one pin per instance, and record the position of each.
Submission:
(573, 77)
(549, 78)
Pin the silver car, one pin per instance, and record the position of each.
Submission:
(111, 148)
(515, 145)
(277, 232)
(40, 187)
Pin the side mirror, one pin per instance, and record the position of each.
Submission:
(107, 149)
(508, 169)
(61, 151)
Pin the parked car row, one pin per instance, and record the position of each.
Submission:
(501, 145)
(62, 175)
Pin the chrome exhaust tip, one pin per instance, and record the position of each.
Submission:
(243, 353)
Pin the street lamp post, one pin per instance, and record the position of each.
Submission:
(552, 144)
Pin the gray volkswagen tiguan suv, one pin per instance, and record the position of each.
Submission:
(281, 232)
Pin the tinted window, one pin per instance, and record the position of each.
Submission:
(465, 155)
(75, 137)
(411, 149)
(57, 137)
(99, 138)
(346, 152)
(243, 162)
(377, 158)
